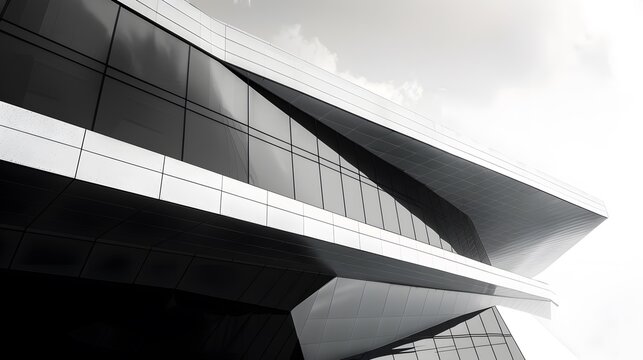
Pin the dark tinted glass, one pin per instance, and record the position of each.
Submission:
(302, 137)
(406, 224)
(40, 81)
(348, 159)
(270, 167)
(353, 198)
(372, 206)
(307, 181)
(215, 146)
(268, 118)
(389, 213)
(149, 53)
(332, 190)
(83, 25)
(327, 143)
(136, 117)
(214, 86)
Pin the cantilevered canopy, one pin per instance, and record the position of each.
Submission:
(522, 224)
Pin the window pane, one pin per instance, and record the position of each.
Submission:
(389, 213)
(307, 181)
(270, 167)
(215, 146)
(445, 245)
(327, 143)
(372, 206)
(420, 229)
(502, 352)
(347, 158)
(40, 81)
(136, 117)
(302, 137)
(332, 190)
(467, 354)
(449, 355)
(513, 348)
(490, 323)
(485, 353)
(83, 25)
(406, 224)
(428, 355)
(268, 118)
(480, 340)
(475, 326)
(353, 198)
(149, 53)
(434, 238)
(460, 329)
(214, 86)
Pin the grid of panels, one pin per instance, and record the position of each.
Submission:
(131, 80)
(485, 336)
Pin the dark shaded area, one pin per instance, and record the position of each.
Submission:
(47, 315)
(52, 205)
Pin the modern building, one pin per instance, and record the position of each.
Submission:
(174, 186)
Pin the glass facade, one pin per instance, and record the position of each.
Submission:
(129, 79)
(484, 336)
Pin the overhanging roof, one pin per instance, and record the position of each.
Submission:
(526, 220)
(523, 228)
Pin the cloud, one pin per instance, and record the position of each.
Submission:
(237, 2)
(292, 40)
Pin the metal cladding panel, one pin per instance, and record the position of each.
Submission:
(523, 228)
(525, 219)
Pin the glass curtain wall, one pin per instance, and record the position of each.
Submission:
(98, 65)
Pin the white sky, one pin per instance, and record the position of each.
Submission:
(555, 84)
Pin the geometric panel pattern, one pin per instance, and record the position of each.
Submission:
(479, 336)
(347, 317)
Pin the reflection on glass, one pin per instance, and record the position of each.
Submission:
(270, 167)
(372, 206)
(215, 146)
(406, 223)
(332, 190)
(307, 181)
(301, 135)
(353, 198)
(459, 342)
(434, 238)
(326, 143)
(420, 228)
(40, 81)
(149, 53)
(212, 85)
(149, 59)
(136, 117)
(389, 214)
(60, 21)
(268, 118)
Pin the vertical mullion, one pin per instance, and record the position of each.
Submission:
(102, 83)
